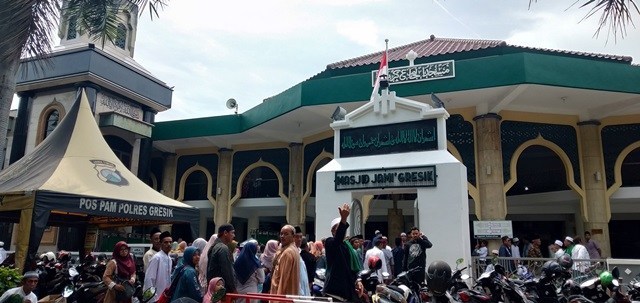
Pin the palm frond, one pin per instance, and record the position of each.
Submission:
(26, 27)
(154, 6)
(615, 16)
(98, 18)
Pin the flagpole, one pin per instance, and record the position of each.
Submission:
(382, 70)
(386, 59)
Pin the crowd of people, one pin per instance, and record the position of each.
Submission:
(286, 266)
(206, 270)
(576, 247)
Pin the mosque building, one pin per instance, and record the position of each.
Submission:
(550, 138)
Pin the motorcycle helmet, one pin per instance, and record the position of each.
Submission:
(374, 263)
(64, 256)
(606, 278)
(438, 276)
(565, 261)
(48, 257)
(405, 291)
(552, 269)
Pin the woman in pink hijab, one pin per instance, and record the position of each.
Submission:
(269, 253)
(267, 262)
(215, 291)
(204, 261)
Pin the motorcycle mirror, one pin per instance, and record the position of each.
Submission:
(73, 272)
(459, 261)
(148, 294)
(68, 291)
(615, 272)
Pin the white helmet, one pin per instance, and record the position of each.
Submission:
(405, 291)
(50, 256)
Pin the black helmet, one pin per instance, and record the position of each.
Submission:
(438, 276)
(552, 269)
(565, 261)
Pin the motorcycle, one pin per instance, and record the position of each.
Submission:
(402, 290)
(501, 288)
(545, 288)
(634, 289)
(604, 288)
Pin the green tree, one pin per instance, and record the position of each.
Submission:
(26, 28)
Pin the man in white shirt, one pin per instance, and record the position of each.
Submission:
(557, 249)
(158, 274)
(578, 252)
(376, 251)
(25, 292)
(154, 236)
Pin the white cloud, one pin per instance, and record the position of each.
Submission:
(363, 32)
(251, 50)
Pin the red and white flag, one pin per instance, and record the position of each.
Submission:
(384, 66)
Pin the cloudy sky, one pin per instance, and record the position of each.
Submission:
(250, 50)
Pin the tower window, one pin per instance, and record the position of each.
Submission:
(121, 38)
(52, 121)
(71, 30)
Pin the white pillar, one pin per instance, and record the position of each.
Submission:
(253, 224)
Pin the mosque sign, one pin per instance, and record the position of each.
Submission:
(421, 176)
(403, 137)
(420, 72)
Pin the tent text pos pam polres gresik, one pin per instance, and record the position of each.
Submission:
(73, 177)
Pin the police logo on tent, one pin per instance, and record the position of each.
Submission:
(108, 173)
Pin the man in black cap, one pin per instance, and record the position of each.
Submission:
(24, 292)
(220, 258)
(297, 236)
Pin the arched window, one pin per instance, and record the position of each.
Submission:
(322, 163)
(72, 28)
(261, 182)
(195, 187)
(539, 170)
(121, 37)
(630, 166)
(52, 121)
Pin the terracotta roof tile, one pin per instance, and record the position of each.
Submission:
(440, 46)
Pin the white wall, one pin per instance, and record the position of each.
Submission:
(443, 210)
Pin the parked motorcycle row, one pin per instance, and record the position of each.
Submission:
(78, 280)
(553, 285)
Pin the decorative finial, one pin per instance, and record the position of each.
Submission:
(411, 56)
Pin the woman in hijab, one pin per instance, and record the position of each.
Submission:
(199, 243)
(215, 291)
(204, 260)
(249, 272)
(187, 276)
(121, 269)
(321, 258)
(269, 253)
